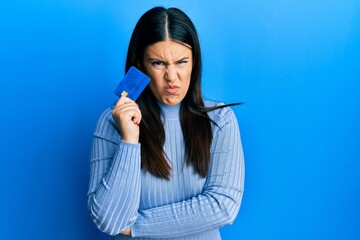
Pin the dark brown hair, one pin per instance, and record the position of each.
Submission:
(156, 25)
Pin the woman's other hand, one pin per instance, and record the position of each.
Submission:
(127, 232)
(127, 116)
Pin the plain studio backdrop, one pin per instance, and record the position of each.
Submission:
(295, 65)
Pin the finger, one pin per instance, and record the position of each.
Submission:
(127, 106)
(137, 119)
(133, 110)
(130, 111)
(122, 100)
(135, 115)
(119, 102)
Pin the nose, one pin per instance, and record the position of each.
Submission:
(171, 73)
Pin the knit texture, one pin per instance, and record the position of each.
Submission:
(122, 196)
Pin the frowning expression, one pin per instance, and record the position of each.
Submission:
(169, 64)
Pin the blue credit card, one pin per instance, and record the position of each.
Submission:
(133, 83)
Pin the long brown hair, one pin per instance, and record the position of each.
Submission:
(156, 25)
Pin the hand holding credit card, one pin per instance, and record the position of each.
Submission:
(133, 83)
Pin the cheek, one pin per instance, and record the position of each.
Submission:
(155, 84)
(187, 77)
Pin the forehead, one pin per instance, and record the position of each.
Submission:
(168, 50)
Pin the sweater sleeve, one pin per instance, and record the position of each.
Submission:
(114, 189)
(220, 200)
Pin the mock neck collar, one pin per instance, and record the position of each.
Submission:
(170, 112)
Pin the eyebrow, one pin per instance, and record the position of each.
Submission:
(159, 59)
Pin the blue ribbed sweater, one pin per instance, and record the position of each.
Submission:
(187, 206)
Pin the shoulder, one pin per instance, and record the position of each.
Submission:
(221, 116)
(106, 127)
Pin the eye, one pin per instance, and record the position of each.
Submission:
(157, 63)
(181, 62)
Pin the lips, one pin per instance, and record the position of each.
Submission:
(172, 89)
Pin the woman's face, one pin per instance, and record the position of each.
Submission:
(169, 65)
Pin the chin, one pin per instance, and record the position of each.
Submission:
(171, 102)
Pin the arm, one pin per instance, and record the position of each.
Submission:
(114, 191)
(220, 200)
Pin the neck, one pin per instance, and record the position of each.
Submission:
(170, 111)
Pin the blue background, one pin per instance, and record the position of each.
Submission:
(295, 64)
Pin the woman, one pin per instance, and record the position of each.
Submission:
(171, 164)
